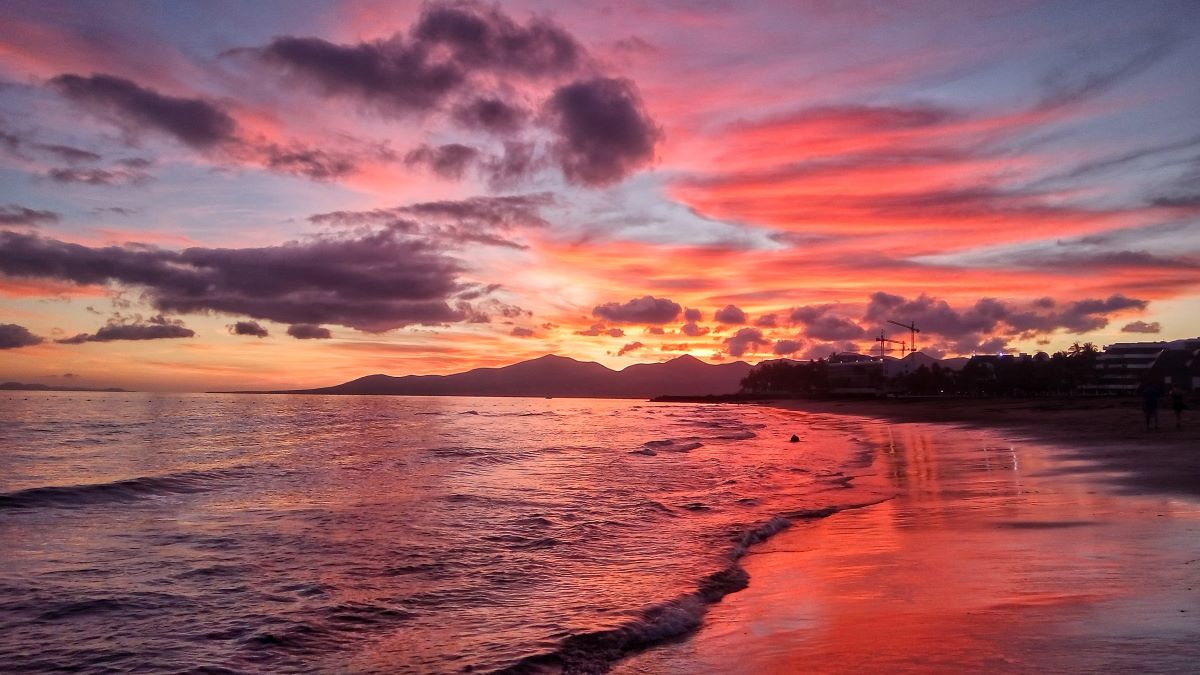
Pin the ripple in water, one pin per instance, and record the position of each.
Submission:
(381, 534)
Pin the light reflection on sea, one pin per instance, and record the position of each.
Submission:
(388, 534)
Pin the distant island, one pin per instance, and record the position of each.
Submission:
(21, 386)
(556, 377)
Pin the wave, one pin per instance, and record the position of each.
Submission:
(672, 445)
(125, 490)
(597, 651)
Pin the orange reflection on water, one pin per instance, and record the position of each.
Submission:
(985, 561)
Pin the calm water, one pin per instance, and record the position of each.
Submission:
(387, 534)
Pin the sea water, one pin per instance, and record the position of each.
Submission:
(207, 533)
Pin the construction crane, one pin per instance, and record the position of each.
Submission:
(882, 339)
(912, 327)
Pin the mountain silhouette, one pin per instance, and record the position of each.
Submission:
(559, 376)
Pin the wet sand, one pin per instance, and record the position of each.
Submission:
(1005, 549)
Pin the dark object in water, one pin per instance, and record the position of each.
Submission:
(794, 439)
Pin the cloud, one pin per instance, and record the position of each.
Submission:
(630, 348)
(786, 347)
(308, 331)
(655, 330)
(820, 323)
(690, 329)
(1141, 327)
(512, 166)
(447, 161)
(491, 114)
(114, 176)
(308, 162)
(767, 321)
(480, 220)
(675, 347)
(13, 336)
(598, 329)
(647, 309)
(372, 281)
(692, 315)
(503, 212)
(192, 121)
(604, 134)
(251, 328)
(521, 332)
(156, 328)
(971, 326)
(485, 38)
(416, 73)
(13, 214)
(396, 76)
(730, 316)
(745, 340)
(68, 154)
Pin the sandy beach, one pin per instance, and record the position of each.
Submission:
(1024, 536)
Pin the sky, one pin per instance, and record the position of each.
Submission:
(220, 195)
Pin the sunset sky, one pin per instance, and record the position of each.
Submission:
(282, 194)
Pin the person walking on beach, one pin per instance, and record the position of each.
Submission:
(1177, 405)
(1150, 404)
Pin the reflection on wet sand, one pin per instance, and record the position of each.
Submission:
(989, 558)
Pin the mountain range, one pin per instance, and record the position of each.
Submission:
(558, 376)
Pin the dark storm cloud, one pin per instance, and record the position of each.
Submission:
(1141, 327)
(13, 336)
(251, 328)
(745, 340)
(604, 133)
(156, 328)
(647, 309)
(14, 214)
(821, 323)
(630, 348)
(449, 161)
(730, 316)
(193, 121)
(373, 281)
(786, 347)
(483, 37)
(308, 331)
(692, 315)
(308, 162)
(491, 114)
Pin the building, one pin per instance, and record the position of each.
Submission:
(1125, 366)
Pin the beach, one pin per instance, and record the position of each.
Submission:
(1024, 536)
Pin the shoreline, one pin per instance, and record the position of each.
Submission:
(1024, 537)
(1096, 435)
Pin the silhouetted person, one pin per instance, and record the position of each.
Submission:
(1150, 404)
(1177, 405)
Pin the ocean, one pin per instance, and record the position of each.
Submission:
(227, 533)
